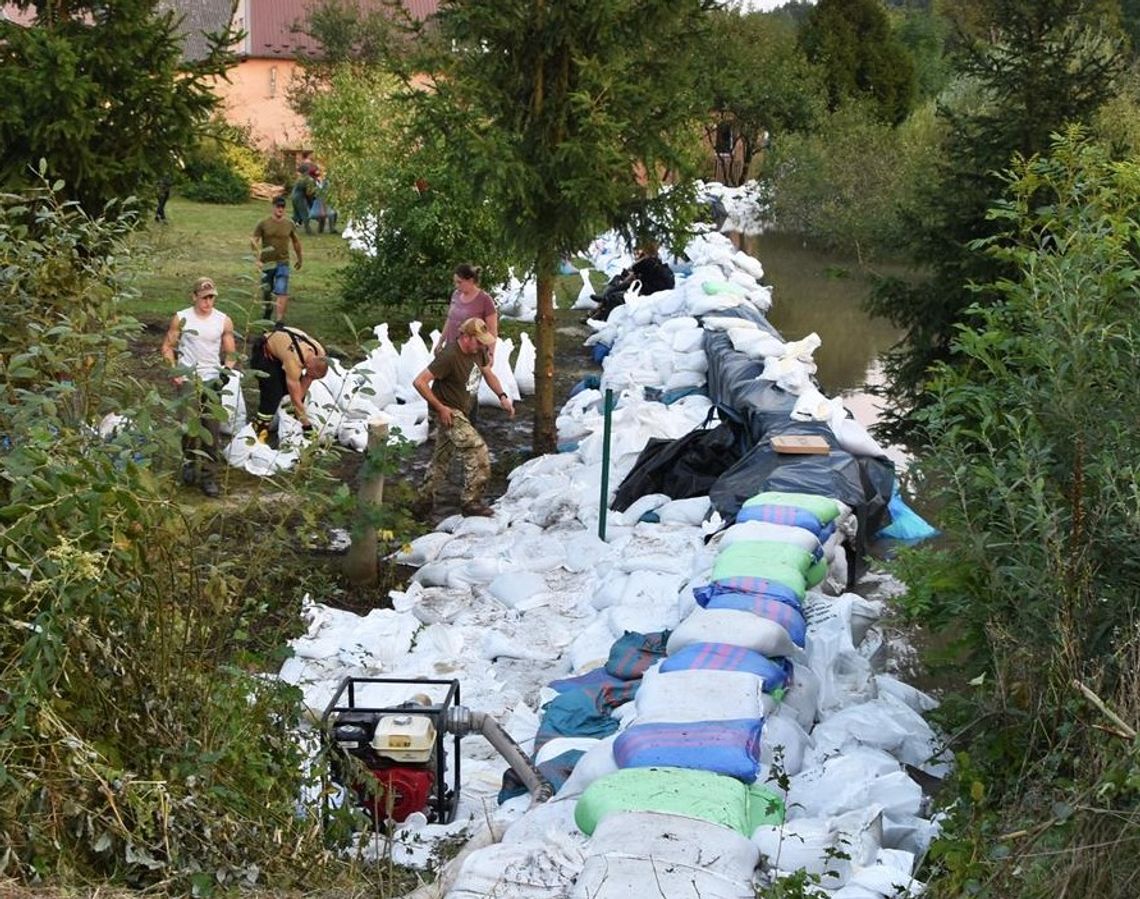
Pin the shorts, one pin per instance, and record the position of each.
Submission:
(276, 277)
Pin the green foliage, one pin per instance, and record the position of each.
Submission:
(1033, 459)
(925, 35)
(134, 744)
(215, 183)
(846, 184)
(423, 216)
(568, 118)
(221, 165)
(77, 95)
(1049, 63)
(861, 58)
(755, 79)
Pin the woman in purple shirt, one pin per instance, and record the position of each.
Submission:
(468, 300)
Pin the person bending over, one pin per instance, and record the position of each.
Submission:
(446, 385)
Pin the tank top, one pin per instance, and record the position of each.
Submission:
(200, 343)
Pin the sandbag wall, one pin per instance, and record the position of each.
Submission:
(695, 741)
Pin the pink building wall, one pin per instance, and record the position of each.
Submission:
(256, 95)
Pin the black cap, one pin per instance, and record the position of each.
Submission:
(279, 201)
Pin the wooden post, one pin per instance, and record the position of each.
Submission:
(360, 564)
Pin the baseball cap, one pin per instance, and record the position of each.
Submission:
(477, 328)
(205, 284)
(279, 200)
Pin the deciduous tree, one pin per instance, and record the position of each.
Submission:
(756, 82)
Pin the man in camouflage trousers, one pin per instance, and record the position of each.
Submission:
(447, 384)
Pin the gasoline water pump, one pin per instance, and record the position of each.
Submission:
(392, 759)
(401, 747)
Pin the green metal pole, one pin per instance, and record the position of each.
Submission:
(607, 413)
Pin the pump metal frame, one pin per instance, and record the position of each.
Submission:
(438, 712)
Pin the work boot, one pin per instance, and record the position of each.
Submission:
(189, 474)
(209, 486)
(477, 509)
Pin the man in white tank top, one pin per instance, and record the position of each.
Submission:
(199, 344)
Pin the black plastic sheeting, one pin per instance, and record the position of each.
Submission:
(764, 410)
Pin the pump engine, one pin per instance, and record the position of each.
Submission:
(402, 747)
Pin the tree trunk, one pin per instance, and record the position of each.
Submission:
(361, 562)
(545, 438)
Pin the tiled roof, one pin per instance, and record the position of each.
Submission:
(271, 24)
(200, 17)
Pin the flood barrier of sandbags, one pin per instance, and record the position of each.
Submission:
(745, 682)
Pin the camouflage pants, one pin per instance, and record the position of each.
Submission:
(462, 439)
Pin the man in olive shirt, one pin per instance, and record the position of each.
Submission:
(270, 240)
(446, 385)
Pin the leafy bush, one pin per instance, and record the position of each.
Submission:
(1034, 458)
(847, 184)
(222, 165)
(215, 184)
(137, 741)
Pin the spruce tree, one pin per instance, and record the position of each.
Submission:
(1033, 67)
(100, 91)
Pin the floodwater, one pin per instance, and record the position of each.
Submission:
(820, 292)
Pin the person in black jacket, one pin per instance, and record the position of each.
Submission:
(648, 268)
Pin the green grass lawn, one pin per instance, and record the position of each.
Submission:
(204, 239)
(211, 240)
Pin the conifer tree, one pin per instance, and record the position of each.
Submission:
(568, 116)
(1033, 68)
(99, 89)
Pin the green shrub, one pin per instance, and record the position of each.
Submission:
(222, 165)
(847, 184)
(138, 742)
(214, 184)
(1034, 459)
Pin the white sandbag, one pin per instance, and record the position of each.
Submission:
(853, 437)
(688, 340)
(691, 511)
(804, 348)
(790, 374)
(596, 763)
(620, 877)
(695, 361)
(858, 779)
(884, 723)
(501, 366)
(514, 869)
(415, 355)
(591, 647)
(524, 365)
(233, 402)
(801, 700)
(674, 843)
(585, 292)
(732, 627)
(698, 695)
(783, 741)
(755, 343)
(554, 748)
(905, 693)
(747, 264)
(885, 880)
(519, 590)
(674, 838)
(827, 847)
(423, 549)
